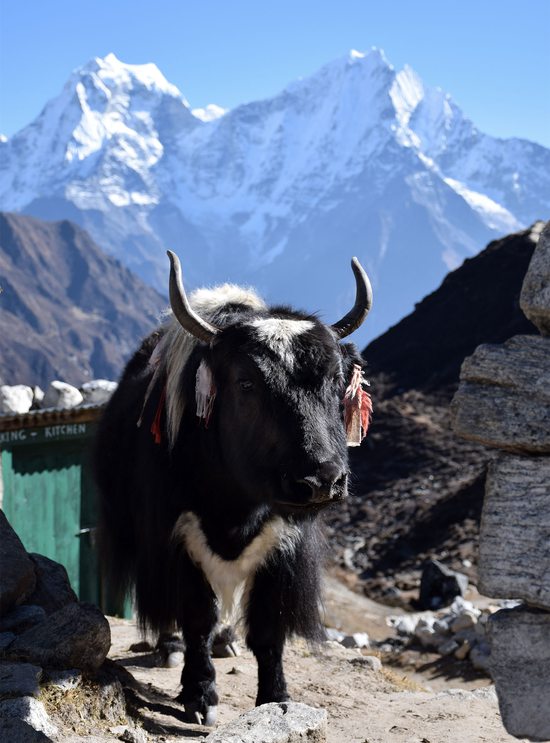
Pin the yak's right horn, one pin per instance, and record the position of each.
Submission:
(183, 312)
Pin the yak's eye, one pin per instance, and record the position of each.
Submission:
(246, 385)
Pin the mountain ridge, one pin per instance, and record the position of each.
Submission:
(357, 158)
(68, 311)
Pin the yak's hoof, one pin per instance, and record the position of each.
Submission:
(201, 714)
(230, 650)
(224, 644)
(173, 660)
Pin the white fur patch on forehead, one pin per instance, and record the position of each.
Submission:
(208, 300)
(278, 334)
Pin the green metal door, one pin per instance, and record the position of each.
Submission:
(42, 500)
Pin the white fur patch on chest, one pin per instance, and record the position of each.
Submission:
(231, 580)
(279, 333)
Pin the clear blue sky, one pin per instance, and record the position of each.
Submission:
(492, 56)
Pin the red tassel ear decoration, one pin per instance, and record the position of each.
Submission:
(357, 408)
(155, 425)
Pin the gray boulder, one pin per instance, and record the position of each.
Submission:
(15, 730)
(76, 636)
(53, 590)
(503, 399)
(439, 585)
(535, 293)
(19, 680)
(520, 667)
(6, 638)
(286, 722)
(515, 530)
(98, 391)
(61, 395)
(29, 710)
(21, 618)
(16, 568)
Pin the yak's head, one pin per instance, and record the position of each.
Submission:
(271, 387)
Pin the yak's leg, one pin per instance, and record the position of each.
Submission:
(197, 620)
(169, 648)
(266, 637)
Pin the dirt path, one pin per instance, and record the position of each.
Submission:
(364, 706)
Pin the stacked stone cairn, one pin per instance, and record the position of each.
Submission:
(51, 648)
(504, 402)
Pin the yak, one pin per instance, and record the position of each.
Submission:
(225, 439)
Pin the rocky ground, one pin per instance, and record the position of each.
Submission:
(366, 702)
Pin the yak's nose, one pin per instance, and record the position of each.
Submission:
(327, 483)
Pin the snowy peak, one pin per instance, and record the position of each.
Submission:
(113, 74)
(406, 92)
(356, 158)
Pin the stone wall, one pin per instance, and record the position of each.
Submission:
(504, 402)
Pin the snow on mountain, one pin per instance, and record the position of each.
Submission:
(209, 113)
(356, 159)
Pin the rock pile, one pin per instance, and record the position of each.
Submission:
(50, 642)
(504, 402)
(19, 398)
(460, 630)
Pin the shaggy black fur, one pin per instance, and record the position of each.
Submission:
(276, 420)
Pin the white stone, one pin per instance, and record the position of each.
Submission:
(31, 711)
(15, 399)
(286, 722)
(357, 640)
(404, 624)
(38, 396)
(335, 635)
(98, 391)
(62, 396)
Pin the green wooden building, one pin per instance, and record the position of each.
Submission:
(47, 492)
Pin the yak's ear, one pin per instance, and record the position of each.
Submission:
(350, 357)
(205, 392)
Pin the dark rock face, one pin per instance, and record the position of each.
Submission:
(22, 618)
(19, 680)
(477, 303)
(76, 636)
(53, 590)
(417, 489)
(17, 730)
(439, 585)
(16, 568)
(59, 292)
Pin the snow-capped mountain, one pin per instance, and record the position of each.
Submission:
(357, 159)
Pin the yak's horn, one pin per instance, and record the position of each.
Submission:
(363, 303)
(185, 315)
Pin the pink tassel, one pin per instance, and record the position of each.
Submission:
(357, 408)
(205, 393)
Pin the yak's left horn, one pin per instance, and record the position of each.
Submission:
(184, 313)
(363, 303)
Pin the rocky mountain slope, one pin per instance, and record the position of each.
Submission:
(67, 310)
(358, 158)
(418, 489)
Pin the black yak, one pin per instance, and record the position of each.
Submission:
(226, 437)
